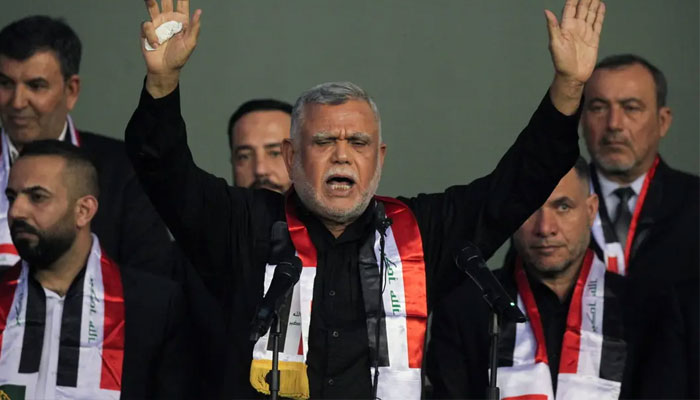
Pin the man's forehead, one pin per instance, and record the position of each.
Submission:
(41, 63)
(352, 116)
(263, 126)
(626, 79)
(571, 186)
(39, 166)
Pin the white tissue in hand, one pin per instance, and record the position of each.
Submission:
(165, 32)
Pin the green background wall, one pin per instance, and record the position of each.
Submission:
(455, 80)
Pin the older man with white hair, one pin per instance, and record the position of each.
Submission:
(371, 264)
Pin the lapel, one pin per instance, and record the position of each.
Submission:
(656, 207)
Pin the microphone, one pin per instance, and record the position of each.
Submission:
(470, 261)
(285, 277)
(381, 221)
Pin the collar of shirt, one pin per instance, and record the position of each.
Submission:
(357, 230)
(14, 153)
(607, 187)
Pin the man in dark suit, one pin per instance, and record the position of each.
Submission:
(591, 334)
(39, 86)
(72, 323)
(648, 223)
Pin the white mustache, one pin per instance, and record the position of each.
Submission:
(340, 171)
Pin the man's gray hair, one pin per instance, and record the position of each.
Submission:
(330, 93)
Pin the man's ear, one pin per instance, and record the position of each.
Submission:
(382, 154)
(85, 210)
(72, 91)
(288, 154)
(665, 120)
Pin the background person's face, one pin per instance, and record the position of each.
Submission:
(337, 164)
(41, 216)
(556, 236)
(621, 122)
(34, 97)
(256, 150)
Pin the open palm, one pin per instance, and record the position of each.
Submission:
(172, 55)
(574, 43)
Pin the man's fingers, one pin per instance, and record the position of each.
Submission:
(600, 16)
(195, 24)
(183, 6)
(592, 12)
(166, 6)
(152, 7)
(582, 9)
(552, 24)
(569, 10)
(148, 31)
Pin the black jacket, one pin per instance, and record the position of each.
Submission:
(129, 228)
(666, 247)
(225, 232)
(156, 352)
(458, 355)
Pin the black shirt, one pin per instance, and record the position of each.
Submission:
(225, 231)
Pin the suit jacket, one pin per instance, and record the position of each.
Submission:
(457, 359)
(665, 248)
(156, 357)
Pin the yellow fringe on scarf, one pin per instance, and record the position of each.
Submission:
(293, 380)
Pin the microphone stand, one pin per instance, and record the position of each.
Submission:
(275, 332)
(492, 392)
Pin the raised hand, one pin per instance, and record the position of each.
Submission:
(164, 63)
(574, 48)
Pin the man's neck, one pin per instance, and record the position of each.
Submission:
(336, 229)
(561, 283)
(624, 178)
(58, 276)
(17, 147)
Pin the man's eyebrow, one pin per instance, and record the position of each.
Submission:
(273, 145)
(359, 135)
(242, 147)
(562, 199)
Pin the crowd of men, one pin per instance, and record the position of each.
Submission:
(128, 272)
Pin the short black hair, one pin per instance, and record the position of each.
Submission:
(256, 105)
(625, 60)
(582, 170)
(25, 37)
(80, 167)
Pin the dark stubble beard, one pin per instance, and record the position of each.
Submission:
(49, 246)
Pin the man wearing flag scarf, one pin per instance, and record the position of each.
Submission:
(39, 87)
(591, 334)
(648, 220)
(361, 303)
(73, 325)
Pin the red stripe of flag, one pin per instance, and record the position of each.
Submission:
(8, 285)
(571, 344)
(113, 341)
(410, 246)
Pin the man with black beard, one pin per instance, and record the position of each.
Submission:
(256, 131)
(72, 323)
(591, 333)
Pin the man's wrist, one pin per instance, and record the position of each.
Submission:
(566, 94)
(160, 85)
